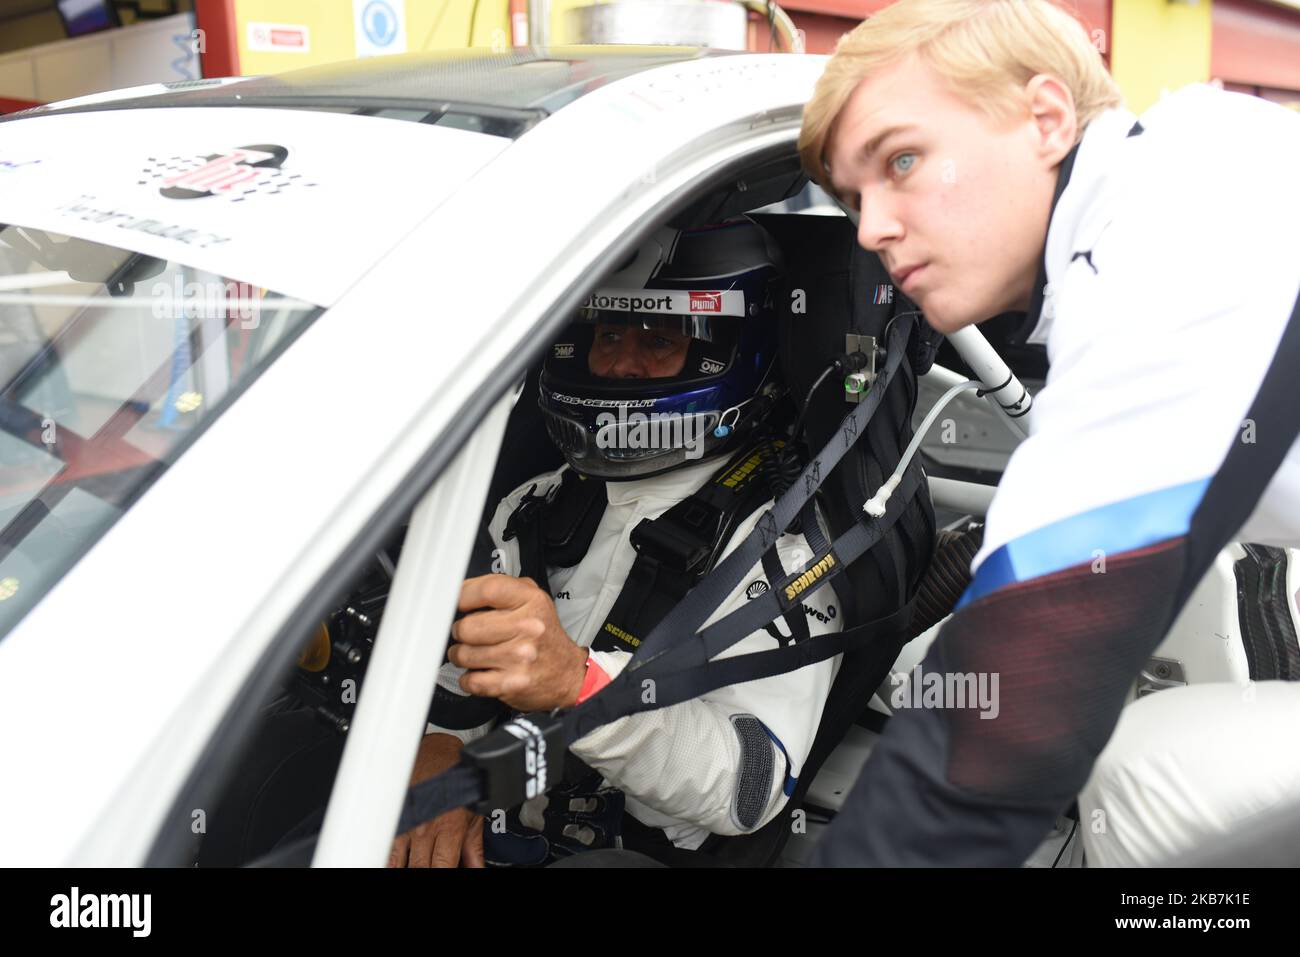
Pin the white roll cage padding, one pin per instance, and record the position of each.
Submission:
(386, 729)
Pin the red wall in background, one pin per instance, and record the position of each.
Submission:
(216, 18)
(1095, 14)
(1255, 45)
(825, 21)
(8, 105)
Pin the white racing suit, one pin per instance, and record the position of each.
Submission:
(1187, 765)
(697, 767)
(1168, 303)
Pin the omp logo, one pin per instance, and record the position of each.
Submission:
(236, 175)
(800, 584)
(534, 754)
(712, 366)
(563, 350)
(102, 910)
(755, 589)
(706, 301)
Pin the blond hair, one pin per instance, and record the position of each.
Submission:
(987, 50)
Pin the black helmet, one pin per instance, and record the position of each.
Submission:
(671, 360)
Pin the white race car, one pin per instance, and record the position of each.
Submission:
(251, 328)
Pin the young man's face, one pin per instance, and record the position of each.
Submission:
(954, 202)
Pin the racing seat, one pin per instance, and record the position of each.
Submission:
(841, 283)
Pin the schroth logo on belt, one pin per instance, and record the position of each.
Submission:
(534, 754)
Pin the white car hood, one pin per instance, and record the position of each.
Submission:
(317, 201)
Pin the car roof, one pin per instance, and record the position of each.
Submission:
(333, 128)
(518, 88)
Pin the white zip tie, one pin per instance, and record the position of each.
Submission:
(875, 506)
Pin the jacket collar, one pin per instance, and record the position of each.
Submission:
(669, 487)
(1078, 173)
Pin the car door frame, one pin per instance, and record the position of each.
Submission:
(680, 178)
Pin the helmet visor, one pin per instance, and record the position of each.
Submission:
(699, 327)
(620, 347)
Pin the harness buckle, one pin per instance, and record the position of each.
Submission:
(518, 761)
(671, 544)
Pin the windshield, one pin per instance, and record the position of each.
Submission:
(111, 362)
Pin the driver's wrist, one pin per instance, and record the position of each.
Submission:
(438, 752)
(594, 678)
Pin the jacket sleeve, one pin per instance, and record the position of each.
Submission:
(726, 761)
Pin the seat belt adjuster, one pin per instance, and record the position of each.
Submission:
(517, 761)
(671, 544)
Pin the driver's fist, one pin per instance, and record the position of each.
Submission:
(513, 646)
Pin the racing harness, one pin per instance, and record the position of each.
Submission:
(673, 552)
(674, 586)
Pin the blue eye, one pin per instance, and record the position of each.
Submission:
(903, 162)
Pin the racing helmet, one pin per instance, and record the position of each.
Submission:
(672, 359)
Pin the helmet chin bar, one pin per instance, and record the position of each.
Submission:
(637, 436)
(629, 443)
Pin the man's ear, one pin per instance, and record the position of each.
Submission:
(1051, 107)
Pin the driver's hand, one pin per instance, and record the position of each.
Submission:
(451, 839)
(513, 646)
(455, 837)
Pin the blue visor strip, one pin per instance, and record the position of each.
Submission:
(1111, 529)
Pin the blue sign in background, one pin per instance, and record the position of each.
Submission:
(380, 22)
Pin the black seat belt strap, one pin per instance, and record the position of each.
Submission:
(556, 528)
(457, 787)
(812, 530)
(664, 688)
(720, 635)
(525, 524)
(692, 611)
(676, 550)
(794, 617)
(626, 694)
(651, 589)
